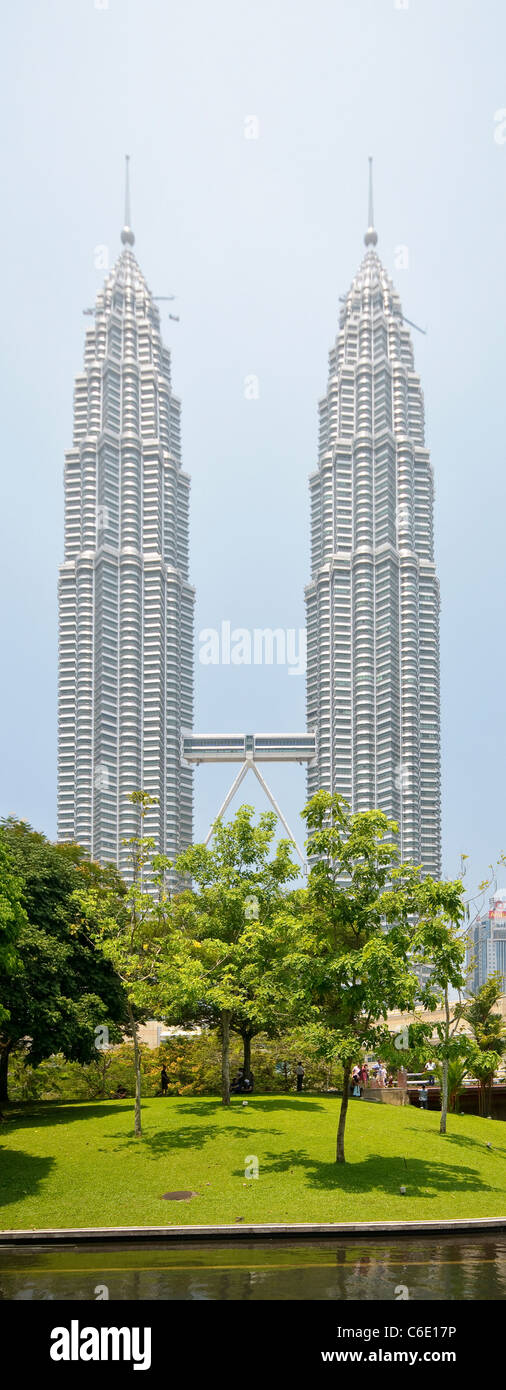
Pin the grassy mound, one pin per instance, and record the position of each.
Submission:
(81, 1165)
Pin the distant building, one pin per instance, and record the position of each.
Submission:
(152, 1033)
(486, 943)
(125, 601)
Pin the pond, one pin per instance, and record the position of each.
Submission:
(343, 1269)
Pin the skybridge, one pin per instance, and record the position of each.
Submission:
(249, 750)
(261, 748)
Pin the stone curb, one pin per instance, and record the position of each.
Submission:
(274, 1231)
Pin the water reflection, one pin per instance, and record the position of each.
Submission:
(471, 1269)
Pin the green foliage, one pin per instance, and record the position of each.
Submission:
(487, 1026)
(130, 926)
(351, 970)
(317, 968)
(488, 1033)
(12, 919)
(193, 1064)
(358, 932)
(54, 1079)
(483, 1064)
(222, 957)
(458, 1069)
(60, 988)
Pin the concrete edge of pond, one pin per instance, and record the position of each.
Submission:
(271, 1231)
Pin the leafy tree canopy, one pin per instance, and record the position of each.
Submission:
(60, 988)
(221, 956)
(364, 924)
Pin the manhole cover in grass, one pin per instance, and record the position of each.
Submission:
(178, 1196)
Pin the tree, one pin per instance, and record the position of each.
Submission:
(130, 927)
(437, 942)
(365, 922)
(242, 1024)
(222, 952)
(59, 989)
(457, 1070)
(483, 1065)
(202, 1014)
(489, 1036)
(453, 1047)
(12, 919)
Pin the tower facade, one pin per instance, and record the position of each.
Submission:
(486, 944)
(373, 600)
(125, 601)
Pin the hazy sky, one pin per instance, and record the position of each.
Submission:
(258, 238)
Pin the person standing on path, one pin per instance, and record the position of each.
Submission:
(300, 1075)
(164, 1080)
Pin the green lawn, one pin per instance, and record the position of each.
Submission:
(80, 1165)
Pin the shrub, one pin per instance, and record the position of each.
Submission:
(193, 1063)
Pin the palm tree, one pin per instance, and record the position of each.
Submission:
(457, 1071)
(488, 1031)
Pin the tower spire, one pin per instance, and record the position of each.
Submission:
(371, 235)
(127, 235)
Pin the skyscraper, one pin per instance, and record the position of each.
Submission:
(125, 601)
(486, 943)
(373, 599)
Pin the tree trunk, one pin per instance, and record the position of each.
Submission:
(486, 1108)
(342, 1114)
(444, 1088)
(4, 1071)
(225, 1056)
(246, 1063)
(444, 1097)
(137, 1065)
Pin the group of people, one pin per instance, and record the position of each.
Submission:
(378, 1075)
(361, 1077)
(242, 1084)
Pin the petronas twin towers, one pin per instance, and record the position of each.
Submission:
(373, 601)
(126, 603)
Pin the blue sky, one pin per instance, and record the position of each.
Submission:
(258, 238)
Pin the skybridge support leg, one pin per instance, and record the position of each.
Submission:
(235, 784)
(249, 763)
(279, 813)
(237, 781)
